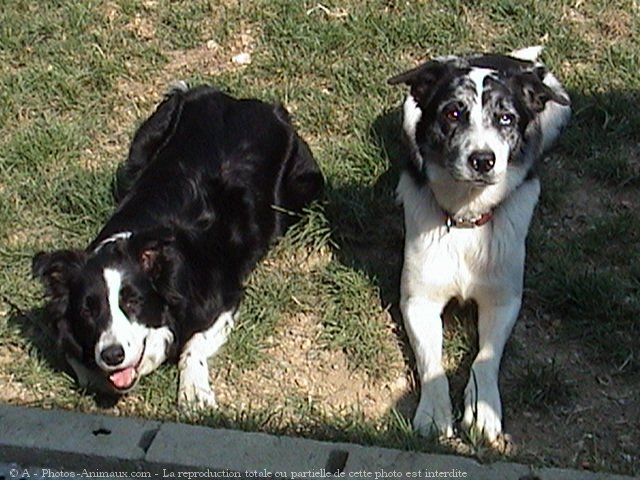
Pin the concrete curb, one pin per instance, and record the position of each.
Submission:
(61, 442)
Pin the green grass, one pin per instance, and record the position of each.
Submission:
(349, 327)
(76, 78)
(592, 282)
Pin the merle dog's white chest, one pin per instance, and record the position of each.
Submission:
(464, 262)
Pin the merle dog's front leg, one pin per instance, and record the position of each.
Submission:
(423, 323)
(483, 408)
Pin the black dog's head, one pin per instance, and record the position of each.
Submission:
(104, 303)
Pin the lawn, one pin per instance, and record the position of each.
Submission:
(320, 350)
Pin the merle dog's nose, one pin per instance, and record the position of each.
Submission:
(113, 355)
(482, 161)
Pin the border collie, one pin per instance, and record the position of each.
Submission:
(476, 126)
(209, 183)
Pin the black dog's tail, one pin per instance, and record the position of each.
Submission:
(150, 137)
(303, 179)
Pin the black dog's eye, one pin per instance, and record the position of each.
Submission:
(91, 307)
(505, 119)
(129, 299)
(452, 112)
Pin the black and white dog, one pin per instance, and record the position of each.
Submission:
(475, 125)
(210, 182)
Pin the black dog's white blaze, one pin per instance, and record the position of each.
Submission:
(475, 127)
(210, 183)
(120, 347)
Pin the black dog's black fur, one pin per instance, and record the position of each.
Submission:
(209, 183)
(229, 163)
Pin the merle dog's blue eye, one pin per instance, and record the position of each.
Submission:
(506, 119)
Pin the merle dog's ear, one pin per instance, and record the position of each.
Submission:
(535, 93)
(148, 248)
(55, 270)
(422, 78)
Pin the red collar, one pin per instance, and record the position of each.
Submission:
(483, 219)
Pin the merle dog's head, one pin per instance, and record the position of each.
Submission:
(469, 120)
(104, 302)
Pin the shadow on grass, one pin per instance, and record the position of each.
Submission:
(584, 249)
(33, 326)
(603, 138)
(366, 222)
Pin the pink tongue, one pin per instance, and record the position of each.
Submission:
(123, 378)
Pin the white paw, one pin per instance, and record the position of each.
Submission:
(433, 415)
(194, 391)
(196, 397)
(483, 410)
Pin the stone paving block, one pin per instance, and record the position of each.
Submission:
(383, 464)
(563, 474)
(261, 455)
(74, 441)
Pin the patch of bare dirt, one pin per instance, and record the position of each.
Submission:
(615, 25)
(13, 391)
(598, 427)
(298, 368)
(22, 234)
(208, 59)
(142, 27)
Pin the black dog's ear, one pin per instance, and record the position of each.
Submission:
(148, 248)
(422, 78)
(66, 340)
(535, 93)
(55, 270)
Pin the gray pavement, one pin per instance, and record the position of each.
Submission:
(36, 443)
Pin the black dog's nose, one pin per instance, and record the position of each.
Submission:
(113, 355)
(482, 161)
